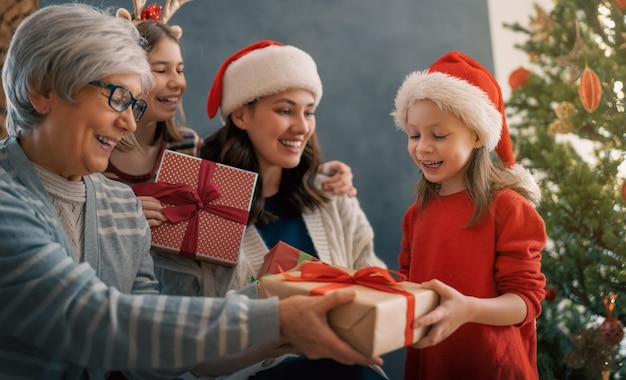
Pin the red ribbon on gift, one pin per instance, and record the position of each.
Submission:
(372, 277)
(187, 202)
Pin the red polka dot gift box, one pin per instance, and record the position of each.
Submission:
(207, 205)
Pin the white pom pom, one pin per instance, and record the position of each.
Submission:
(528, 181)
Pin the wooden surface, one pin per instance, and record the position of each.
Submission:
(12, 12)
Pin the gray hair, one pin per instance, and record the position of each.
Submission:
(60, 49)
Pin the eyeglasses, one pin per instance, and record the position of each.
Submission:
(120, 99)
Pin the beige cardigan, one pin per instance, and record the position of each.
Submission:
(340, 231)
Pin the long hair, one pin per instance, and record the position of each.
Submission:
(231, 146)
(485, 176)
(153, 33)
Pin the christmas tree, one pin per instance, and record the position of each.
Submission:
(567, 114)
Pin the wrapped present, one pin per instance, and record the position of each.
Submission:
(207, 205)
(284, 256)
(379, 320)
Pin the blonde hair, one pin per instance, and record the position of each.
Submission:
(485, 176)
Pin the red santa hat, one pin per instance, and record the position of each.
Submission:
(464, 87)
(260, 69)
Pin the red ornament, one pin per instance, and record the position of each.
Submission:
(151, 12)
(550, 293)
(612, 328)
(518, 78)
(624, 191)
(590, 90)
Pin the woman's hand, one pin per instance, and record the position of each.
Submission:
(152, 209)
(304, 322)
(340, 181)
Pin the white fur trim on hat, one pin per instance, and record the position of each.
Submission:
(268, 71)
(468, 102)
(527, 180)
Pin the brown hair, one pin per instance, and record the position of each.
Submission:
(231, 146)
(167, 130)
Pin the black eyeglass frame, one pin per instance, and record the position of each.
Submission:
(138, 105)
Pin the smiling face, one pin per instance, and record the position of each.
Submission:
(279, 127)
(76, 139)
(167, 67)
(440, 144)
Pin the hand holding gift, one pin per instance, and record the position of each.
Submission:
(380, 319)
(456, 309)
(153, 210)
(308, 328)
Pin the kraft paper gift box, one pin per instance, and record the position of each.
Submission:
(285, 256)
(378, 321)
(207, 205)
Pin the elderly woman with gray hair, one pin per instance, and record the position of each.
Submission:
(77, 285)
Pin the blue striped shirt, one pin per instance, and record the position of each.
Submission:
(60, 319)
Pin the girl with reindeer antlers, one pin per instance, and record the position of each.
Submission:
(137, 159)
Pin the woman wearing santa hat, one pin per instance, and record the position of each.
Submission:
(137, 158)
(473, 234)
(267, 94)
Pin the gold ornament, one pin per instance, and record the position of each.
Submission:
(560, 126)
(540, 25)
(565, 110)
(570, 60)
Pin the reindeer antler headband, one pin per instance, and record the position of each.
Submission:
(153, 12)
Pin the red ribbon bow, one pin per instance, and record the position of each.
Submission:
(372, 277)
(151, 12)
(187, 203)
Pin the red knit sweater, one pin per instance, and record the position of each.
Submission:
(501, 254)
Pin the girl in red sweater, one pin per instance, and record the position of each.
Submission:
(473, 234)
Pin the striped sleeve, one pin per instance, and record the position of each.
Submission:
(60, 311)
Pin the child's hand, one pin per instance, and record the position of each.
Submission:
(452, 312)
(340, 181)
(152, 210)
